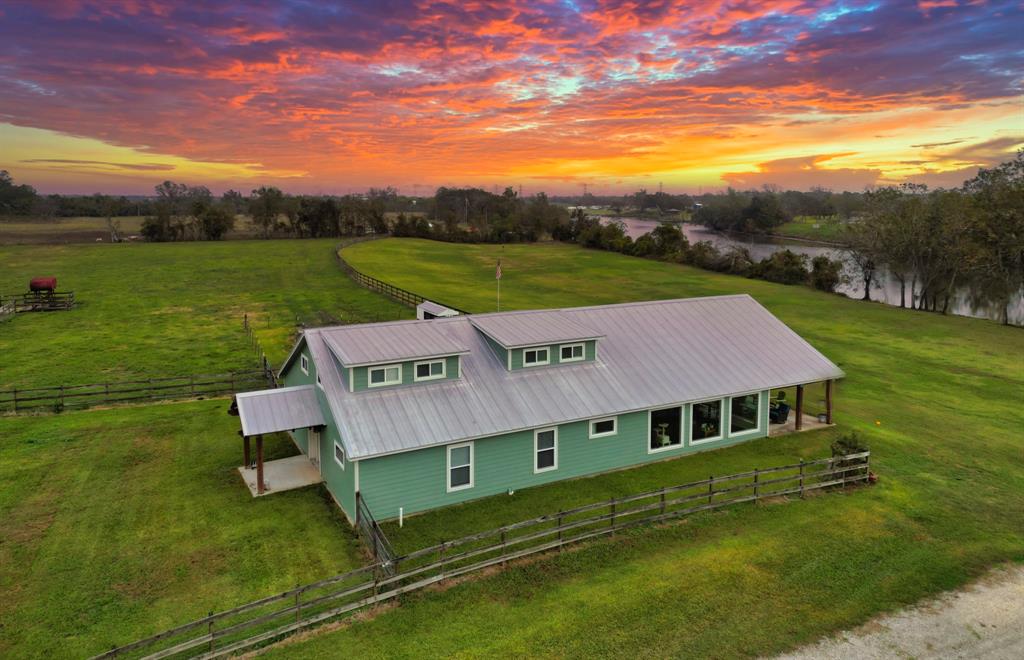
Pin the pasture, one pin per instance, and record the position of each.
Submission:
(122, 522)
(169, 309)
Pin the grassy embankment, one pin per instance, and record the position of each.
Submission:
(938, 398)
(812, 228)
(148, 310)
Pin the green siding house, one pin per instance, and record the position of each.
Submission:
(415, 415)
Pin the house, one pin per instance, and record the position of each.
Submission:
(415, 415)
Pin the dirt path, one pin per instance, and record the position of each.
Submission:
(983, 620)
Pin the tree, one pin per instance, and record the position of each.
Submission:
(16, 199)
(266, 206)
(215, 220)
(826, 273)
(784, 267)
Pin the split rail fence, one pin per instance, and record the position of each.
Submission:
(59, 397)
(380, 286)
(277, 616)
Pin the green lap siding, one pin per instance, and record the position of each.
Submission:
(361, 375)
(554, 353)
(416, 480)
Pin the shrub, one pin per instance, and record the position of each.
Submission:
(825, 273)
(851, 443)
(784, 267)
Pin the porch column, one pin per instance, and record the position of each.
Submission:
(828, 401)
(799, 407)
(259, 465)
(248, 452)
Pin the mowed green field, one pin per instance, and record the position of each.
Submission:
(938, 399)
(812, 228)
(119, 523)
(168, 309)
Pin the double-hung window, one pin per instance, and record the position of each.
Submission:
(386, 375)
(430, 370)
(535, 357)
(460, 466)
(304, 364)
(545, 450)
(572, 353)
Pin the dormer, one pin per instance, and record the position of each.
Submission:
(526, 340)
(382, 356)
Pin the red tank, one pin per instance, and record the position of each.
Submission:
(43, 284)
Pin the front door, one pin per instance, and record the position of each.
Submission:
(314, 447)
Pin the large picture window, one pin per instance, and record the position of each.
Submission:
(666, 428)
(706, 424)
(460, 466)
(545, 449)
(744, 413)
(389, 375)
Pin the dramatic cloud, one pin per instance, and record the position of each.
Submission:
(429, 92)
(100, 164)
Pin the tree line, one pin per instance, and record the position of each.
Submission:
(937, 242)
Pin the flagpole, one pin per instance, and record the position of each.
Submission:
(499, 288)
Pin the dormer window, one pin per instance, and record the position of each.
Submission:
(572, 353)
(535, 357)
(431, 370)
(387, 375)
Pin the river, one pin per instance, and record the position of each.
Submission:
(886, 288)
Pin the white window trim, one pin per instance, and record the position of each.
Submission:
(304, 363)
(760, 417)
(614, 431)
(448, 468)
(385, 367)
(650, 422)
(582, 357)
(338, 446)
(536, 434)
(319, 383)
(721, 422)
(547, 351)
(444, 370)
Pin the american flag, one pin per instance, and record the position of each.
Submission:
(497, 271)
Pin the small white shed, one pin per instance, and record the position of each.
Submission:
(431, 310)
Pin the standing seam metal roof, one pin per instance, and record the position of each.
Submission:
(283, 409)
(376, 343)
(533, 328)
(653, 354)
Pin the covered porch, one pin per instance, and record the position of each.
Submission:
(791, 410)
(275, 411)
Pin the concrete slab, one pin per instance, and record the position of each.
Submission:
(282, 474)
(811, 423)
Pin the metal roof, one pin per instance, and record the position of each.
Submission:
(436, 309)
(531, 328)
(654, 354)
(284, 409)
(376, 343)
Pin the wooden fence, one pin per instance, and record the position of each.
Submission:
(37, 301)
(273, 617)
(56, 398)
(368, 528)
(261, 355)
(395, 293)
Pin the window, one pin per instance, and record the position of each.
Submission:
(572, 353)
(533, 357)
(319, 383)
(545, 450)
(744, 413)
(599, 428)
(389, 375)
(706, 424)
(460, 467)
(339, 455)
(666, 429)
(430, 370)
(304, 364)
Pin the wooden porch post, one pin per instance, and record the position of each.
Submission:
(799, 407)
(248, 452)
(259, 465)
(828, 401)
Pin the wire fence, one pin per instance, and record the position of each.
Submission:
(271, 618)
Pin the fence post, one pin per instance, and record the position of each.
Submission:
(14, 392)
(210, 630)
(711, 488)
(663, 500)
(441, 560)
(612, 520)
(298, 604)
(756, 490)
(504, 550)
(801, 478)
(62, 395)
(559, 532)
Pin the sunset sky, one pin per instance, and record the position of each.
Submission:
(117, 95)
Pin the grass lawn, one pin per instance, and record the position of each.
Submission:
(812, 228)
(938, 399)
(120, 523)
(168, 309)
